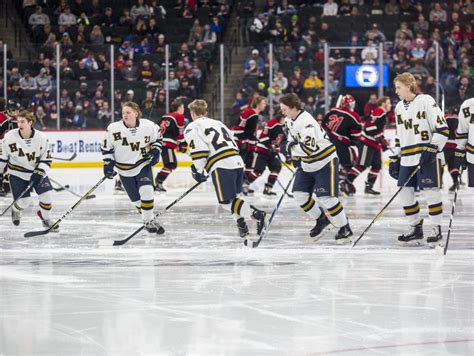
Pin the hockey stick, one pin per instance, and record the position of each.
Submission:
(60, 189)
(124, 241)
(283, 187)
(69, 211)
(74, 155)
(267, 227)
(19, 197)
(66, 188)
(415, 171)
(452, 214)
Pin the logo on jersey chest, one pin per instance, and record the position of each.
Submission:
(29, 156)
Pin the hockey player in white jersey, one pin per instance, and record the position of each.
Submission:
(25, 153)
(214, 151)
(319, 171)
(132, 147)
(422, 133)
(465, 138)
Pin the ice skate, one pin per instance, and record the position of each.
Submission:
(243, 228)
(369, 189)
(118, 186)
(321, 223)
(153, 227)
(414, 237)
(435, 237)
(347, 187)
(159, 188)
(259, 215)
(268, 190)
(16, 216)
(344, 234)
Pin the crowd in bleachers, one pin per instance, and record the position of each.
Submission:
(298, 30)
(139, 30)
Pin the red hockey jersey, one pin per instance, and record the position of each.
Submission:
(246, 130)
(342, 125)
(271, 137)
(172, 129)
(374, 128)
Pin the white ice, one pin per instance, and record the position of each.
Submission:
(198, 290)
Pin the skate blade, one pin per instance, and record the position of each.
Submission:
(435, 244)
(415, 243)
(345, 241)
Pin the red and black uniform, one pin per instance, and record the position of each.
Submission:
(4, 127)
(245, 135)
(372, 144)
(343, 127)
(172, 129)
(450, 147)
(266, 153)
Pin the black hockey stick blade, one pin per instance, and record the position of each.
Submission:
(74, 155)
(69, 211)
(124, 241)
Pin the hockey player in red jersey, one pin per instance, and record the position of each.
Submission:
(172, 128)
(5, 123)
(245, 133)
(343, 127)
(372, 144)
(450, 149)
(266, 153)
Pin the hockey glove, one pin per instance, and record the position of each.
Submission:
(109, 168)
(290, 146)
(460, 159)
(37, 177)
(183, 147)
(154, 155)
(198, 177)
(429, 154)
(394, 167)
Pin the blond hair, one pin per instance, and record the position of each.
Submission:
(257, 100)
(134, 106)
(28, 115)
(408, 80)
(198, 107)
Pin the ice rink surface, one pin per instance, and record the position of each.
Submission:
(198, 291)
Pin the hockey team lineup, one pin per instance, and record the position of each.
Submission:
(321, 161)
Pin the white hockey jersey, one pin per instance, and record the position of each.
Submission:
(419, 122)
(128, 147)
(211, 145)
(314, 149)
(465, 131)
(23, 156)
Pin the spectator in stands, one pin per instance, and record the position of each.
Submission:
(375, 34)
(403, 29)
(195, 34)
(419, 69)
(295, 87)
(98, 100)
(252, 69)
(146, 73)
(313, 81)
(130, 71)
(438, 14)
(108, 19)
(238, 104)
(130, 95)
(311, 105)
(104, 115)
(78, 119)
(362, 8)
(79, 7)
(140, 10)
(38, 19)
(40, 115)
(96, 36)
(125, 19)
(216, 27)
(421, 26)
(173, 83)
(281, 80)
(392, 8)
(14, 75)
(330, 8)
(43, 81)
(418, 53)
(201, 53)
(333, 84)
(186, 90)
(27, 82)
(157, 10)
(83, 19)
(161, 44)
(376, 9)
(468, 8)
(403, 42)
(256, 58)
(285, 9)
(287, 53)
(245, 9)
(370, 105)
(345, 8)
(67, 18)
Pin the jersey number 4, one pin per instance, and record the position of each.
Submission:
(218, 140)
